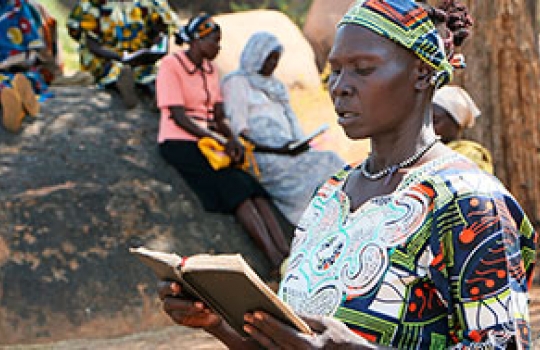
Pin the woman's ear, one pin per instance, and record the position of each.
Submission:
(423, 74)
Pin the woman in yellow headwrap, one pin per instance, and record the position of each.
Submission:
(453, 112)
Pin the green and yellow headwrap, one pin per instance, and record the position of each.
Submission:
(408, 24)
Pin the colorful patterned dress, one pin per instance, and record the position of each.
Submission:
(19, 33)
(444, 261)
(119, 26)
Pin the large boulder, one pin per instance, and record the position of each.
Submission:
(78, 186)
(320, 26)
(297, 65)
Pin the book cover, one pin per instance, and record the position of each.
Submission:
(226, 283)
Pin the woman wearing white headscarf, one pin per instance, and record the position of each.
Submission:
(259, 108)
(454, 111)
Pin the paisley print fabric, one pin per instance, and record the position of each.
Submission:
(444, 261)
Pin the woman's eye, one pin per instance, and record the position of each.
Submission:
(335, 71)
(364, 71)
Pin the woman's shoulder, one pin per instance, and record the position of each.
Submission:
(455, 176)
(169, 59)
(235, 78)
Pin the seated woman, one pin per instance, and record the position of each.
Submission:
(257, 104)
(412, 248)
(20, 78)
(109, 30)
(453, 112)
(189, 98)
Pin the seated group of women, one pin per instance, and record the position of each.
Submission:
(249, 103)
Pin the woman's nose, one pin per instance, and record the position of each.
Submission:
(340, 86)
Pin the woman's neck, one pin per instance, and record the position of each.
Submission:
(392, 149)
(195, 57)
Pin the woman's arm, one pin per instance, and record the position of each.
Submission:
(95, 47)
(233, 147)
(484, 270)
(178, 113)
(328, 333)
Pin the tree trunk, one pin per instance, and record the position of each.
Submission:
(534, 10)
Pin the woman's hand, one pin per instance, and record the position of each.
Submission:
(328, 333)
(184, 311)
(235, 150)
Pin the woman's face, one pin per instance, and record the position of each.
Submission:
(270, 64)
(445, 126)
(372, 83)
(209, 45)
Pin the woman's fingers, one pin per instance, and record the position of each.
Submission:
(270, 330)
(315, 323)
(260, 337)
(167, 288)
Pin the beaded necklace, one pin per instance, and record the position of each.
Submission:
(391, 170)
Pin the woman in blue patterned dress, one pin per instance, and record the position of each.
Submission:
(414, 247)
(20, 78)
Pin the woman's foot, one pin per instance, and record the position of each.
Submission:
(12, 109)
(26, 93)
(126, 87)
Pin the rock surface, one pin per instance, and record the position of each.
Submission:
(320, 26)
(78, 186)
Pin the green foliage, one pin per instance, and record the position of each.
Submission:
(295, 9)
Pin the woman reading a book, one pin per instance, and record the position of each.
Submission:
(414, 247)
(108, 31)
(189, 98)
(258, 106)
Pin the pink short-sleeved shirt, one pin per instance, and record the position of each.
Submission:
(179, 83)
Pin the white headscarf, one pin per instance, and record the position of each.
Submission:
(259, 46)
(458, 104)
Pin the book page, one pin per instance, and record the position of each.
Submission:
(148, 56)
(165, 265)
(226, 283)
(321, 129)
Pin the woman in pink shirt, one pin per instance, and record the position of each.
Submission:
(190, 101)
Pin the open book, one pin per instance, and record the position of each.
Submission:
(148, 56)
(225, 282)
(307, 139)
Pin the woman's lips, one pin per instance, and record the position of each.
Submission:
(346, 118)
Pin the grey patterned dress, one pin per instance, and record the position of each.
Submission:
(259, 106)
